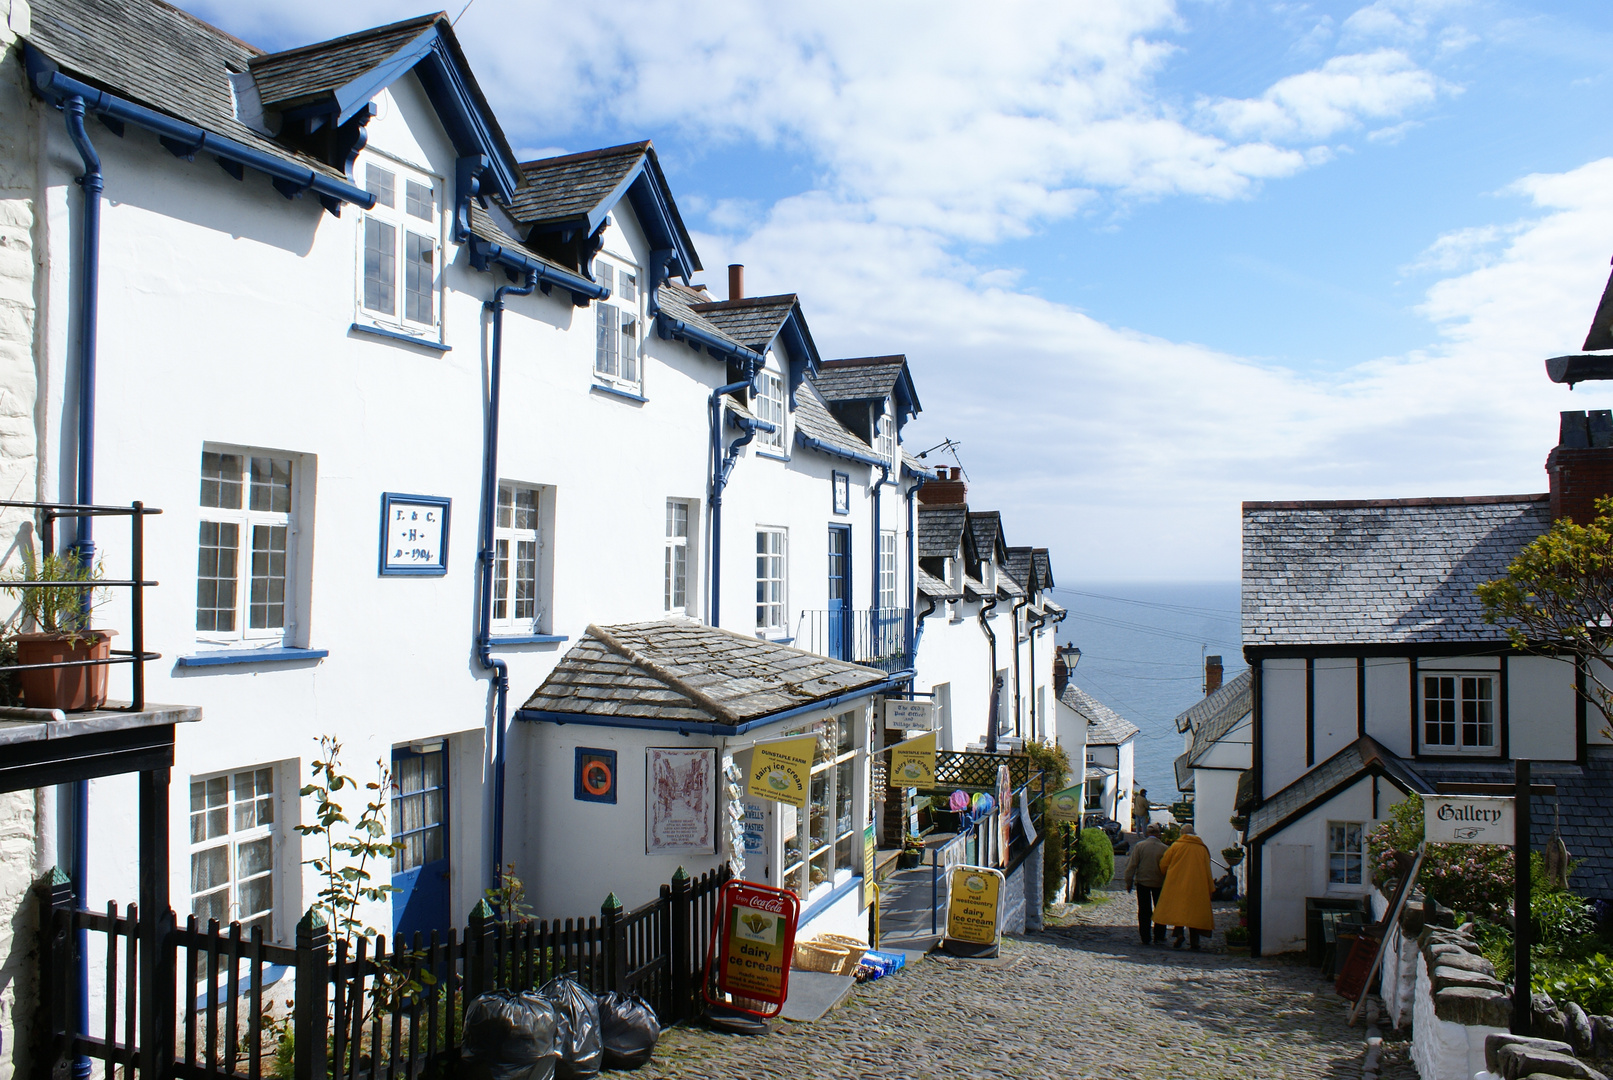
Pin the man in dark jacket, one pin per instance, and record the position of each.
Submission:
(1143, 873)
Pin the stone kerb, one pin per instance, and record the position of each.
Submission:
(1457, 1003)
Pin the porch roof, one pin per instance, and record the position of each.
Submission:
(1365, 756)
(676, 672)
(933, 587)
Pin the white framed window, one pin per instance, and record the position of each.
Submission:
(232, 848)
(771, 560)
(1459, 713)
(400, 242)
(677, 592)
(246, 558)
(519, 565)
(1345, 853)
(617, 322)
(885, 437)
(887, 571)
(770, 407)
(823, 844)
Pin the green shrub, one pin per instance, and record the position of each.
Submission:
(1094, 860)
(1475, 879)
(1054, 765)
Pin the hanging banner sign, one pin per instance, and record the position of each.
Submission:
(754, 938)
(909, 715)
(1067, 805)
(782, 770)
(1467, 819)
(913, 762)
(974, 906)
(870, 851)
(1005, 811)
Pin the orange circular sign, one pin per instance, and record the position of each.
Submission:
(596, 778)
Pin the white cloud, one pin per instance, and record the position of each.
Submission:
(1335, 97)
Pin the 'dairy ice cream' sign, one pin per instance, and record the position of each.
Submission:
(756, 933)
(782, 770)
(1467, 819)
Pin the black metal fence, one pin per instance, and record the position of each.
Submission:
(237, 1007)
(877, 637)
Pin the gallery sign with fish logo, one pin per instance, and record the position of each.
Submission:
(754, 938)
(782, 770)
(1467, 819)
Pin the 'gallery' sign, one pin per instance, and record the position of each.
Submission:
(1467, 819)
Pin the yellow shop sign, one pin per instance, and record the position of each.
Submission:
(974, 905)
(782, 770)
(913, 762)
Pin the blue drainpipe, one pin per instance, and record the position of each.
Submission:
(722, 465)
(83, 538)
(484, 636)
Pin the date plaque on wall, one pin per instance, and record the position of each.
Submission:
(841, 486)
(414, 535)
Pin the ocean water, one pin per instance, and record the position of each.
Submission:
(1142, 654)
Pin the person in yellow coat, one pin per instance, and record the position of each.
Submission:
(1184, 902)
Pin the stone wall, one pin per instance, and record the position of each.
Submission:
(19, 178)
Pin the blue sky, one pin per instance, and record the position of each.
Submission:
(1148, 258)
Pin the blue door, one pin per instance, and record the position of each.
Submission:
(839, 615)
(420, 831)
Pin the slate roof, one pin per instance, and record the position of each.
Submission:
(1044, 568)
(312, 71)
(1105, 727)
(1021, 561)
(868, 378)
(813, 418)
(933, 587)
(1209, 706)
(1184, 773)
(941, 530)
(1581, 800)
(482, 225)
(675, 670)
(678, 301)
(753, 322)
(159, 57)
(974, 588)
(1362, 757)
(1398, 570)
(571, 185)
(986, 526)
(1009, 588)
(1218, 714)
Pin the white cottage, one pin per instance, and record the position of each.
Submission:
(1219, 735)
(1109, 769)
(1374, 674)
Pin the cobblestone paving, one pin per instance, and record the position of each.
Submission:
(1082, 1000)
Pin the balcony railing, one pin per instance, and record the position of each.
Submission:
(877, 637)
(46, 516)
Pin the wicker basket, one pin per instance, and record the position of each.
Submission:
(830, 957)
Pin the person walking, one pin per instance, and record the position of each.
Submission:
(1184, 901)
(1142, 870)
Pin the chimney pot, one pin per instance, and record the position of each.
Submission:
(736, 281)
(1212, 674)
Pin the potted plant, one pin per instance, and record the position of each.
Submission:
(1238, 941)
(1233, 855)
(57, 612)
(912, 852)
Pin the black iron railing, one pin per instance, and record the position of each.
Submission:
(136, 655)
(877, 637)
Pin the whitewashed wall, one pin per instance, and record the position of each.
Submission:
(1215, 788)
(1541, 708)
(1282, 717)
(1389, 705)
(953, 650)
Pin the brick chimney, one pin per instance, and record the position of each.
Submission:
(736, 281)
(1212, 674)
(949, 490)
(1581, 466)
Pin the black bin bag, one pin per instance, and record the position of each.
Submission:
(630, 1029)
(581, 1051)
(510, 1036)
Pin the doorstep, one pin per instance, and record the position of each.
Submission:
(814, 993)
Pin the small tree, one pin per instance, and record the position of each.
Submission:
(345, 865)
(1557, 600)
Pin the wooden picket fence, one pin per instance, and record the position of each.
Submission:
(205, 1000)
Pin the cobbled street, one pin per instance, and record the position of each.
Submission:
(1082, 1000)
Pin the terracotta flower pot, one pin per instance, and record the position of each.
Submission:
(74, 689)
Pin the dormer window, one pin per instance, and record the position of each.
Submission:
(885, 438)
(770, 407)
(399, 251)
(616, 344)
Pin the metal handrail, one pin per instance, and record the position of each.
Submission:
(136, 656)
